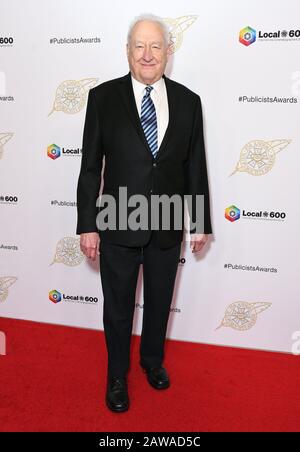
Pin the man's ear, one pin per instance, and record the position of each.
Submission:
(170, 49)
(127, 49)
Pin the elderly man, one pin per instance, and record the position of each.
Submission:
(149, 128)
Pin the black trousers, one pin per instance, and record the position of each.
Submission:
(119, 268)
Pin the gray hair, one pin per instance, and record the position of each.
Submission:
(151, 18)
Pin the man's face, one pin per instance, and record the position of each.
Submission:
(147, 52)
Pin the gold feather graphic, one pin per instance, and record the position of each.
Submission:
(5, 283)
(242, 316)
(258, 156)
(4, 138)
(71, 95)
(177, 27)
(68, 252)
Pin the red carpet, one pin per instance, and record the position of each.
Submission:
(53, 379)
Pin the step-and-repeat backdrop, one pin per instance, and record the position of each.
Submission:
(243, 60)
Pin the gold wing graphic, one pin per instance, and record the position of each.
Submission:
(177, 27)
(71, 95)
(4, 138)
(242, 315)
(68, 252)
(258, 156)
(5, 283)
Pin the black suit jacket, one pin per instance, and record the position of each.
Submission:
(113, 129)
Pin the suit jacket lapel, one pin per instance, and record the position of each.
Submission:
(127, 94)
(172, 102)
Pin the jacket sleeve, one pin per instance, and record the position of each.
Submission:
(196, 179)
(89, 180)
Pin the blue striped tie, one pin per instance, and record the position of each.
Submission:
(149, 120)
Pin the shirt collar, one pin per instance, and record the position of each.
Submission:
(139, 87)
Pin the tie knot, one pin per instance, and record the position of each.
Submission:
(149, 88)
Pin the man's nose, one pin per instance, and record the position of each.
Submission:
(147, 54)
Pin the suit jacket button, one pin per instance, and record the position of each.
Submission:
(154, 164)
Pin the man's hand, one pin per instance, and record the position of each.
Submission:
(89, 244)
(197, 242)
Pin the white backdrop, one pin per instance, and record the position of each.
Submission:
(51, 53)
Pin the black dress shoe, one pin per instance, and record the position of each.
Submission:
(117, 394)
(158, 377)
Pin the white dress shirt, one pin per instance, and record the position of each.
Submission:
(160, 100)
